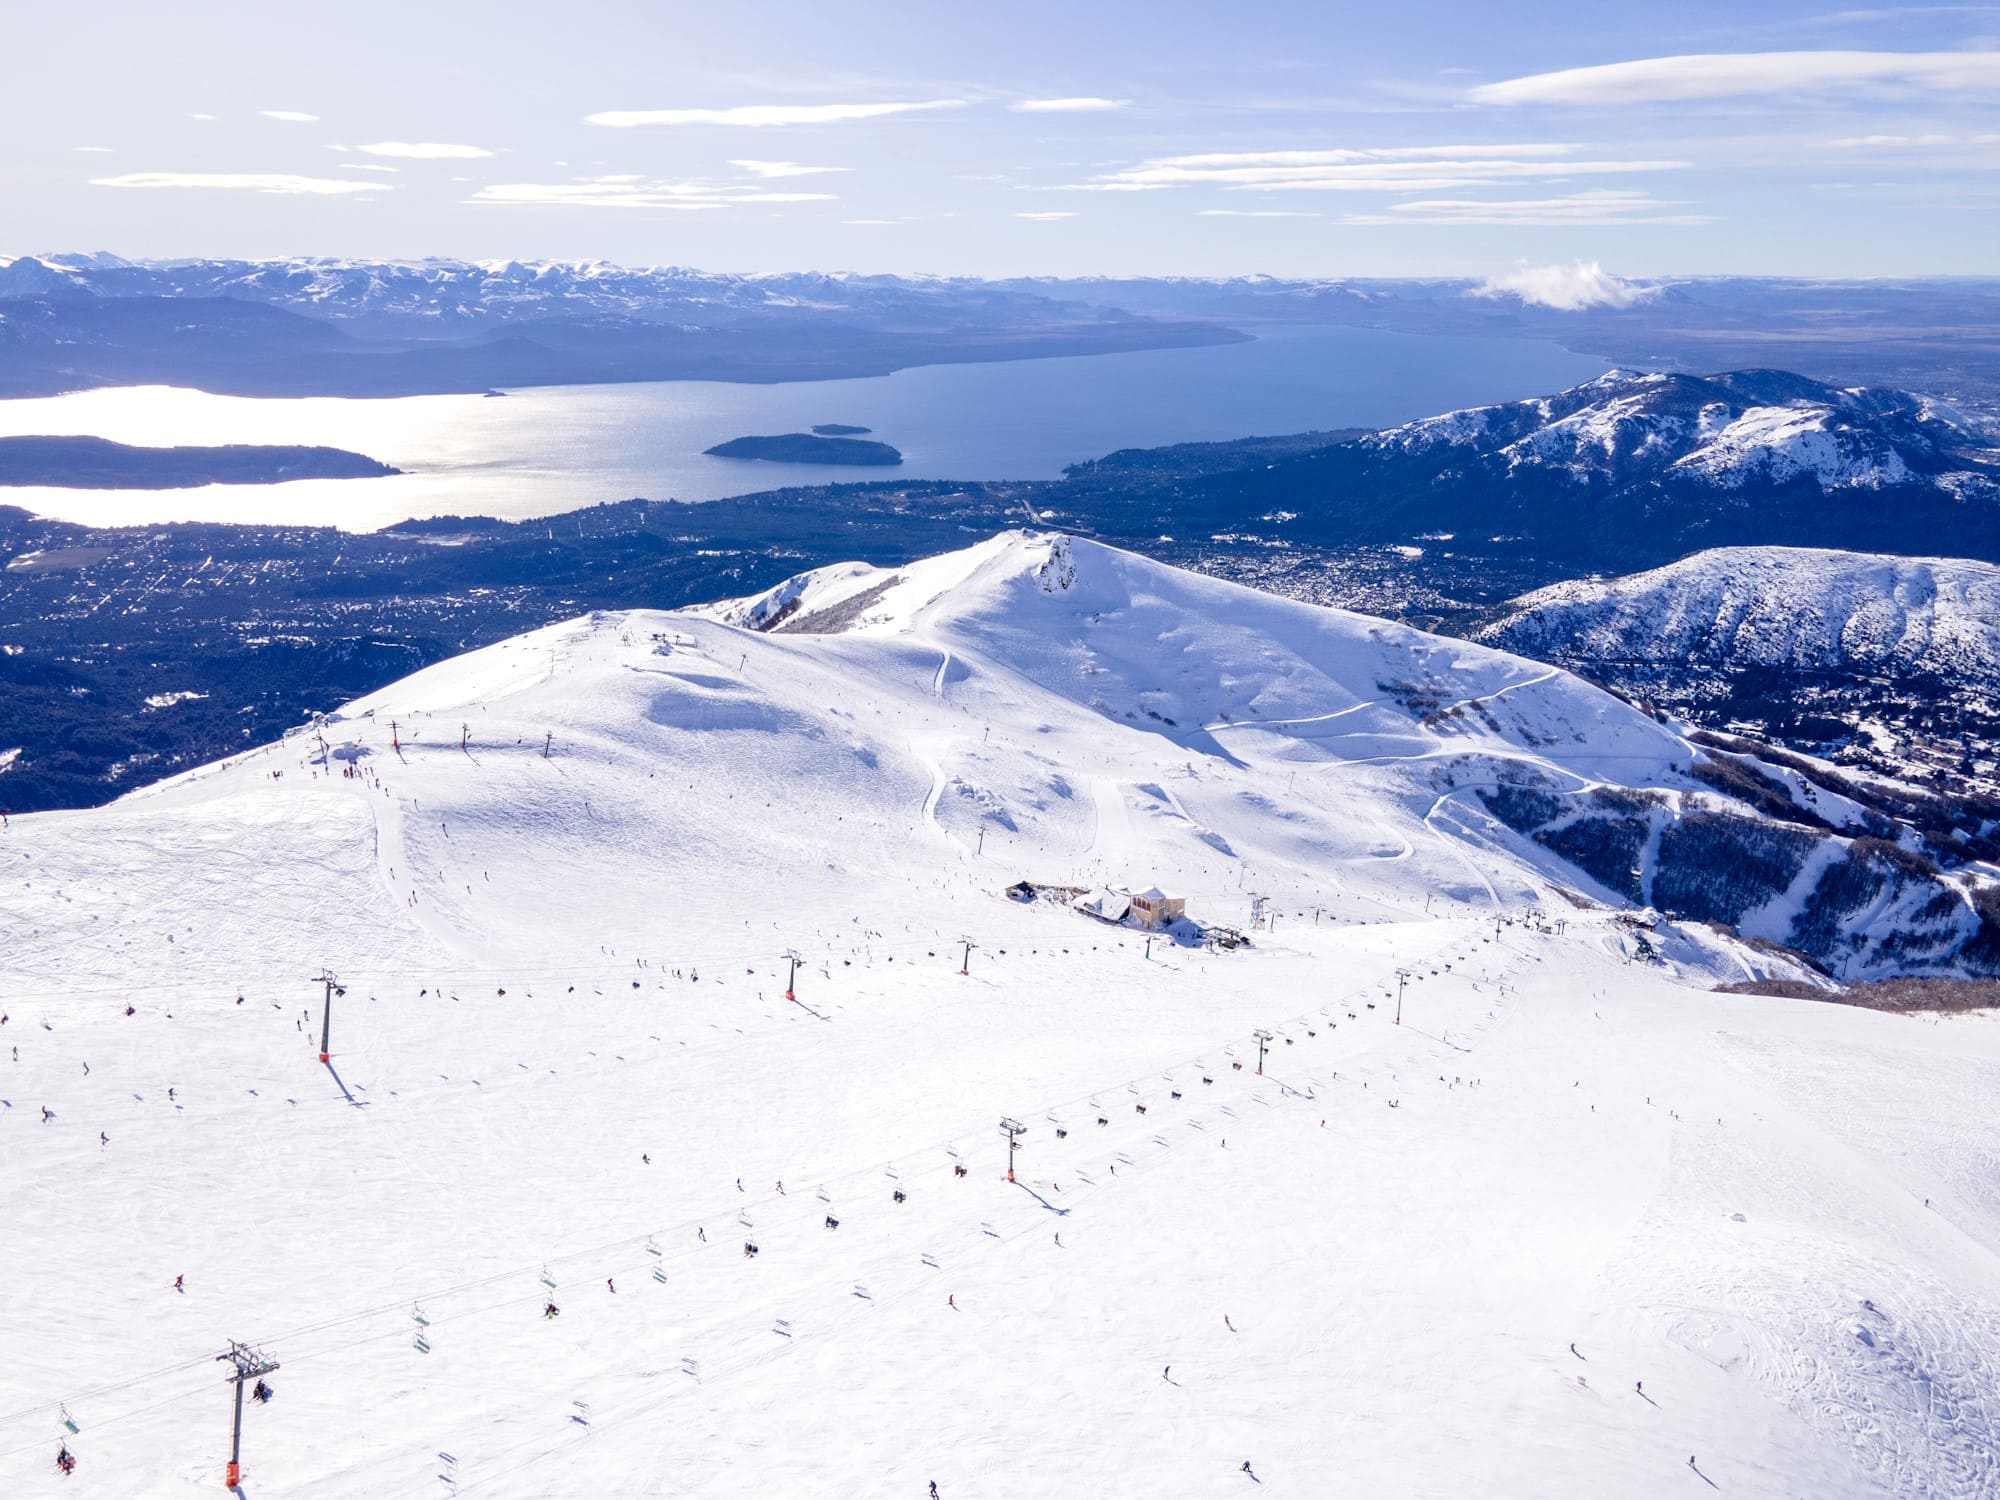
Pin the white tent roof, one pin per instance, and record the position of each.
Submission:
(1106, 905)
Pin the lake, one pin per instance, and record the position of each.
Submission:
(555, 448)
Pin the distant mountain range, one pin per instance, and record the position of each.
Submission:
(330, 326)
(450, 325)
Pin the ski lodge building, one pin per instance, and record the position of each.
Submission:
(1155, 908)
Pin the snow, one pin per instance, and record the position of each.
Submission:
(1789, 607)
(1780, 443)
(1362, 1270)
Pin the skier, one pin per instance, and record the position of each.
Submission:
(180, 1285)
(1227, 1324)
(702, 1232)
(934, 1493)
(47, 1114)
(951, 1301)
(610, 1285)
(550, 1310)
(1246, 1466)
(1166, 1372)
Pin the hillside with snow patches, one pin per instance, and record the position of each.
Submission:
(1726, 431)
(1573, 1221)
(1788, 609)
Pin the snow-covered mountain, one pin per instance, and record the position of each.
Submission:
(1786, 609)
(1727, 432)
(1897, 657)
(1631, 471)
(317, 325)
(455, 295)
(1411, 1195)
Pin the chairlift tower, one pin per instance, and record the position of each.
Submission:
(1263, 1040)
(246, 1364)
(333, 987)
(1402, 978)
(1013, 1130)
(792, 958)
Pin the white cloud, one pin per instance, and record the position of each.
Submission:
(95, 150)
(1603, 207)
(1571, 288)
(871, 221)
(290, 116)
(783, 169)
(1891, 142)
(284, 184)
(201, 117)
(1257, 213)
(762, 114)
(425, 150)
(366, 166)
(1084, 104)
(1395, 169)
(1047, 215)
(1724, 75)
(628, 191)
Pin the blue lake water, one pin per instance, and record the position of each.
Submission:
(551, 449)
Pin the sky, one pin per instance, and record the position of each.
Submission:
(1092, 137)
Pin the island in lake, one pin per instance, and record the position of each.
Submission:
(810, 448)
(94, 463)
(838, 429)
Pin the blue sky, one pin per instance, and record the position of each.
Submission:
(1093, 137)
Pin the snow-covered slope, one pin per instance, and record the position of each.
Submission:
(1786, 608)
(558, 879)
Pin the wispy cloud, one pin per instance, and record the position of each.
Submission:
(768, 169)
(1891, 143)
(95, 150)
(1047, 215)
(762, 114)
(1571, 288)
(366, 166)
(425, 150)
(201, 117)
(283, 184)
(1603, 207)
(871, 221)
(1723, 75)
(629, 191)
(1080, 105)
(1394, 169)
(290, 116)
(1258, 213)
